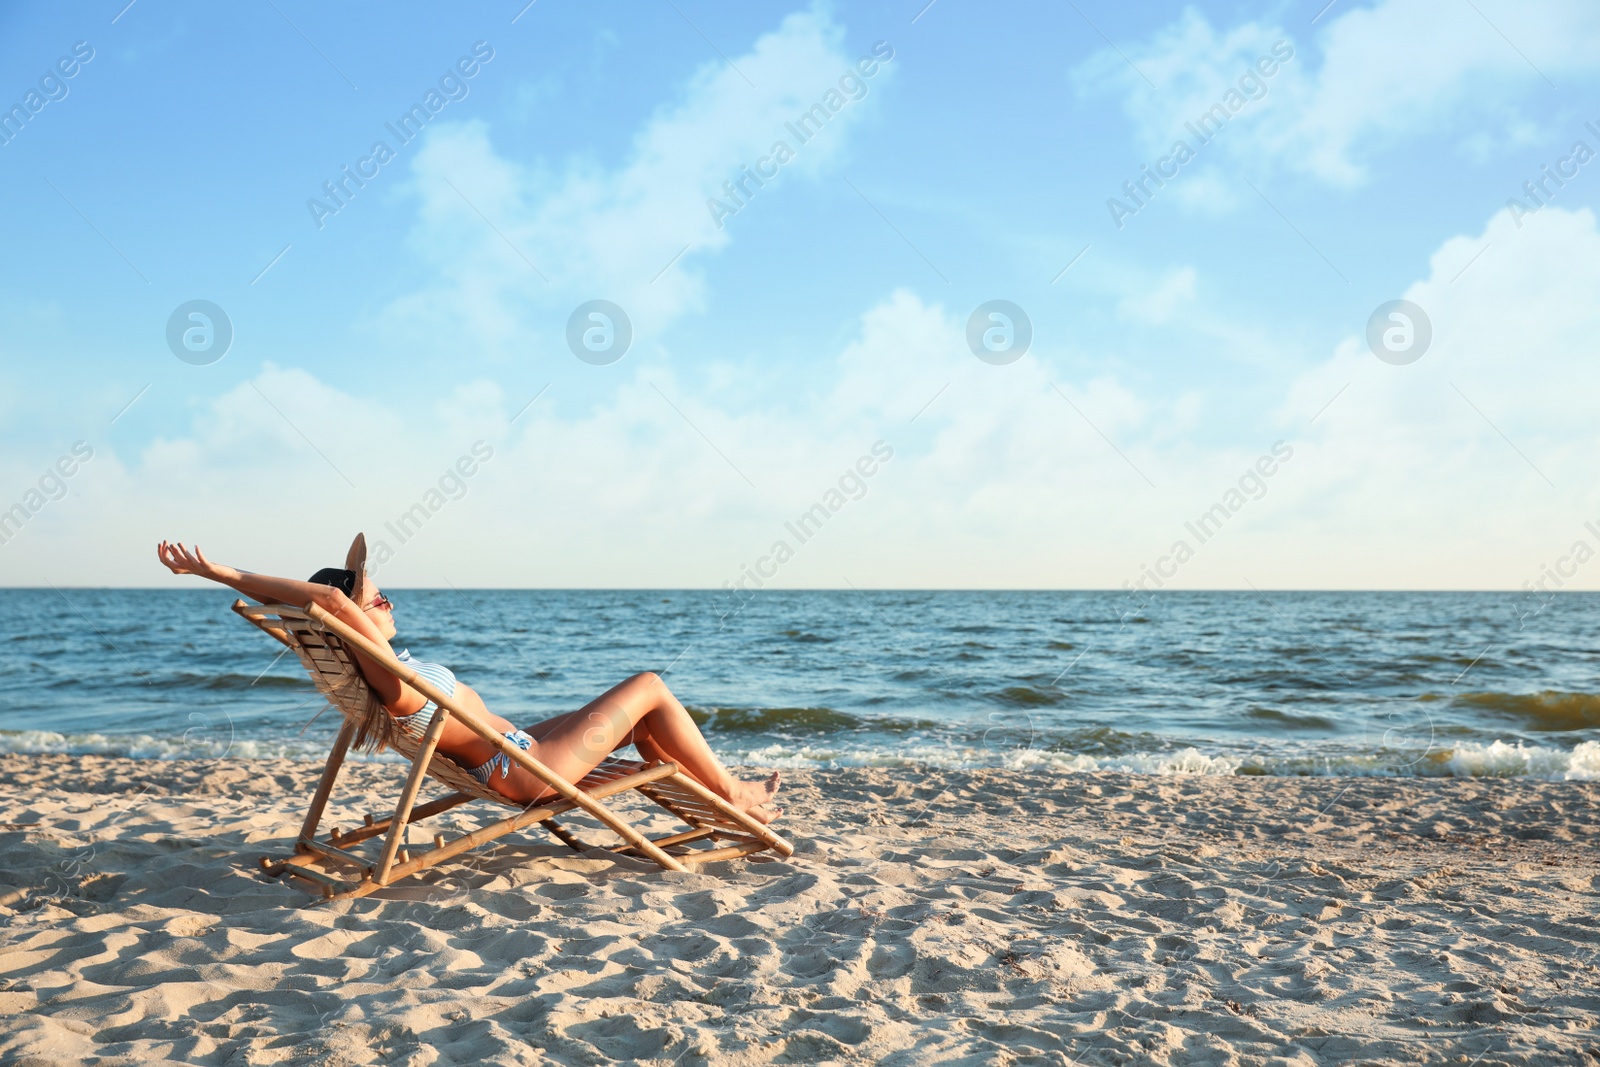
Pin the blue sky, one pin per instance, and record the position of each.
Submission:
(770, 352)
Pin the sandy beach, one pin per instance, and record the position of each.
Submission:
(951, 917)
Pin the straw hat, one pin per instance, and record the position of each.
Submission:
(355, 561)
(352, 580)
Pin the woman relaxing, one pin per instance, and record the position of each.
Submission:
(639, 712)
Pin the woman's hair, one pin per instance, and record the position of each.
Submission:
(337, 577)
(375, 728)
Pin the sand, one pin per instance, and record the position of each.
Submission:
(990, 917)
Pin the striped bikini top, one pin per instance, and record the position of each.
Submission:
(439, 676)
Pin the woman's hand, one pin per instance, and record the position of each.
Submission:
(180, 560)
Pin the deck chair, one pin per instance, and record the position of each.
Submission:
(335, 866)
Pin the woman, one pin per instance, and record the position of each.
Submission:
(639, 712)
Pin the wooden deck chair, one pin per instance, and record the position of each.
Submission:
(334, 865)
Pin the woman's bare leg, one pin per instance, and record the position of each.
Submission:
(641, 711)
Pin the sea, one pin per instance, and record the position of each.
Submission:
(1213, 683)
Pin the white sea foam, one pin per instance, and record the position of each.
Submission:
(1464, 760)
(193, 745)
(1500, 760)
(1181, 761)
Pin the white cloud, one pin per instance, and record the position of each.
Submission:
(1023, 475)
(593, 232)
(1012, 476)
(1366, 76)
(1183, 70)
(1513, 320)
(1161, 301)
(987, 484)
(1435, 473)
(1207, 191)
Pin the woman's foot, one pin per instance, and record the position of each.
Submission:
(755, 798)
(765, 814)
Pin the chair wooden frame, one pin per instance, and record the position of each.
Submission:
(331, 866)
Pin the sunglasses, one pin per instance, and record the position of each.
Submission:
(382, 603)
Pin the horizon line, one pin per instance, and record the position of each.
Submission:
(820, 589)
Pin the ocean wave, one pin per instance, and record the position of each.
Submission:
(1095, 741)
(1187, 760)
(1290, 721)
(1031, 696)
(808, 638)
(181, 680)
(211, 744)
(191, 680)
(1500, 760)
(199, 743)
(762, 720)
(1466, 760)
(1549, 711)
(1497, 759)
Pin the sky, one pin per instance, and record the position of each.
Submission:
(1027, 295)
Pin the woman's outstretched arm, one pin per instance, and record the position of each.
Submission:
(269, 589)
(263, 587)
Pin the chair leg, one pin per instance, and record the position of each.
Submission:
(567, 837)
(672, 839)
(330, 771)
(408, 796)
